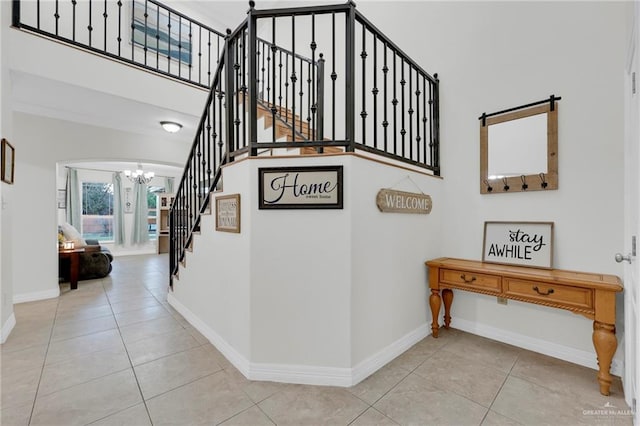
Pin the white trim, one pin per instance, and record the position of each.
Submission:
(36, 295)
(7, 327)
(566, 353)
(302, 374)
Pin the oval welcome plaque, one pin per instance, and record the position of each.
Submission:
(392, 201)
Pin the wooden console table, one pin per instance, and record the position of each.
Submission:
(587, 294)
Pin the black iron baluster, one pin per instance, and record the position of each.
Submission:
(424, 119)
(73, 20)
(146, 30)
(312, 77)
(394, 102)
(274, 109)
(120, 27)
(179, 45)
(418, 138)
(221, 134)
(363, 113)
(158, 37)
(334, 76)
(235, 93)
(243, 88)
(57, 16)
(293, 78)
(431, 145)
(211, 112)
(280, 84)
(262, 69)
(105, 15)
(410, 111)
(199, 55)
(209, 58)
(308, 100)
(375, 90)
(403, 82)
(301, 93)
(38, 13)
(229, 91)
(190, 49)
(385, 122)
(169, 42)
(286, 87)
(350, 70)
(267, 96)
(89, 27)
(436, 123)
(320, 119)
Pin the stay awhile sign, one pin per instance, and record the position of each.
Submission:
(519, 243)
(392, 201)
(318, 187)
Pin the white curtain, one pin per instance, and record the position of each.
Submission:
(140, 213)
(74, 208)
(118, 209)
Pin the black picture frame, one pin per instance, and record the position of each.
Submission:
(310, 187)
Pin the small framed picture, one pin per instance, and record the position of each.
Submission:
(8, 161)
(62, 198)
(519, 243)
(228, 213)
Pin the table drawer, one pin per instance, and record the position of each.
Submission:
(557, 294)
(471, 280)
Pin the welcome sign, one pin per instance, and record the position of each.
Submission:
(318, 187)
(518, 243)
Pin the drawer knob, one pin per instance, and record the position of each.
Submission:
(467, 280)
(537, 290)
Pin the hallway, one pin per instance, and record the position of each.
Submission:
(114, 352)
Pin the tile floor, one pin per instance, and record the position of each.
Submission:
(114, 352)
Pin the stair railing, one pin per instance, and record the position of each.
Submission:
(144, 33)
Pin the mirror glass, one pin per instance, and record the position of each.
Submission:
(518, 150)
(518, 147)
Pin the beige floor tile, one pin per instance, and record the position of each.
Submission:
(529, 403)
(373, 417)
(379, 383)
(19, 388)
(85, 403)
(464, 376)
(418, 353)
(63, 350)
(494, 419)
(134, 416)
(16, 415)
(251, 417)
(82, 369)
(139, 315)
(562, 376)
(164, 374)
(24, 359)
(146, 329)
(416, 401)
(82, 314)
(156, 347)
(134, 304)
(317, 405)
(206, 401)
(255, 390)
(67, 329)
(496, 354)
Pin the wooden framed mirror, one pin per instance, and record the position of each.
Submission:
(519, 148)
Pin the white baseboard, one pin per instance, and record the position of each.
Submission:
(36, 295)
(302, 374)
(7, 327)
(566, 353)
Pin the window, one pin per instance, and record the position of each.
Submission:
(97, 211)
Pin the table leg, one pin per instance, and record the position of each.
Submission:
(447, 297)
(605, 343)
(74, 267)
(434, 303)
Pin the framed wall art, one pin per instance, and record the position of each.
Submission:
(228, 213)
(314, 187)
(8, 161)
(519, 243)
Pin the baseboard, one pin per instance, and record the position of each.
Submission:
(302, 374)
(566, 353)
(234, 357)
(7, 327)
(36, 295)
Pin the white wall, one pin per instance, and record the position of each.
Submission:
(495, 55)
(314, 296)
(6, 204)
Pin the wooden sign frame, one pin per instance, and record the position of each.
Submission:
(313, 187)
(228, 213)
(518, 243)
(8, 159)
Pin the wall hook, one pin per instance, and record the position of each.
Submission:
(489, 188)
(524, 182)
(506, 184)
(542, 179)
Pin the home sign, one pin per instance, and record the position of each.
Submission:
(317, 187)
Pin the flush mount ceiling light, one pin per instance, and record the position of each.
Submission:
(171, 126)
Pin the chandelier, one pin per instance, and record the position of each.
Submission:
(139, 176)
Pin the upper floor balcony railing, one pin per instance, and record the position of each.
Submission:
(143, 33)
